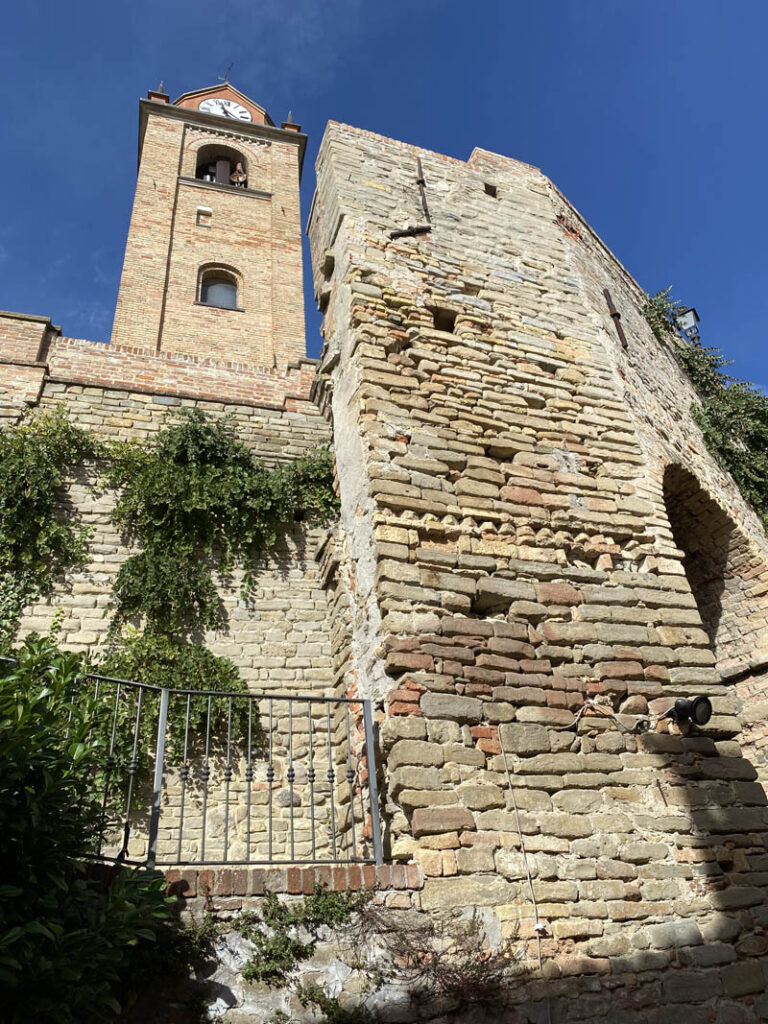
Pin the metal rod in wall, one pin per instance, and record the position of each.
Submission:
(616, 317)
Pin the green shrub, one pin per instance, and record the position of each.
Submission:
(159, 660)
(67, 940)
(732, 413)
(733, 416)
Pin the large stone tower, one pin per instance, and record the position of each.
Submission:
(213, 258)
(538, 548)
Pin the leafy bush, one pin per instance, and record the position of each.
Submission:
(732, 413)
(660, 311)
(36, 547)
(67, 941)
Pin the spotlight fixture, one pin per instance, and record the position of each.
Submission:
(696, 710)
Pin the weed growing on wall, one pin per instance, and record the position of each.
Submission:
(732, 413)
(284, 935)
(37, 546)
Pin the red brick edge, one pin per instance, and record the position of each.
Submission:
(192, 882)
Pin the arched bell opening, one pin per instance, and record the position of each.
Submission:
(221, 165)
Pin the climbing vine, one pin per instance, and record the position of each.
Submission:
(732, 413)
(199, 505)
(660, 311)
(37, 546)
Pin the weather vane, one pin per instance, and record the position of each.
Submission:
(225, 78)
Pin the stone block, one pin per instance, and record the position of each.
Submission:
(480, 797)
(465, 891)
(493, 592)
(691, 986)
(675, 934)
(470, 859)
(745, 978)
(524, 738)
(433, 820)
(414, 752)
(450, 706)
(458, 753)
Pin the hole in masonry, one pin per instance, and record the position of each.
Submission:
(491, 190)
(444, 319)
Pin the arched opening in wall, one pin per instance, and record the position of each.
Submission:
(221, 165)
(218, 286)
(721, 566)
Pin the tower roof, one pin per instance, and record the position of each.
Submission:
(224, 90)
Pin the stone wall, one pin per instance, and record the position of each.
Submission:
(518, 592)
(279, 640)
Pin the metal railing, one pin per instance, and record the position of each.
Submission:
(204, 777)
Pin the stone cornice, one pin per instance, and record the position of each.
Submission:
(214, 122)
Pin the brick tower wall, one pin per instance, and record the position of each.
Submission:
(525, 503)
(179, 224)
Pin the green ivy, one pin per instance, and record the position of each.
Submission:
(732, 413)
(733, 416)
(36, 545)
(660, 311)
(199, 504)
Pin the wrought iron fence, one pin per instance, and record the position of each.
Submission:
(203, 777)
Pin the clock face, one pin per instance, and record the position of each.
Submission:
(225, 108)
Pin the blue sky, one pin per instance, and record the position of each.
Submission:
(649, 114)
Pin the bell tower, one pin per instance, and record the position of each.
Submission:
(212, 264)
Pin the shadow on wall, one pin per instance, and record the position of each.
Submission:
(723, 569)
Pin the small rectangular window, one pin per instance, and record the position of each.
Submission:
(204, 216)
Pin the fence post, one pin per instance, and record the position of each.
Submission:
(157, 785)
(373, 790)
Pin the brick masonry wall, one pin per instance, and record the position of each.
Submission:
(281, 641)
(510, 544)
(255, 231)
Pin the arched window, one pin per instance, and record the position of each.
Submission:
(218, 287)
(221, 165)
